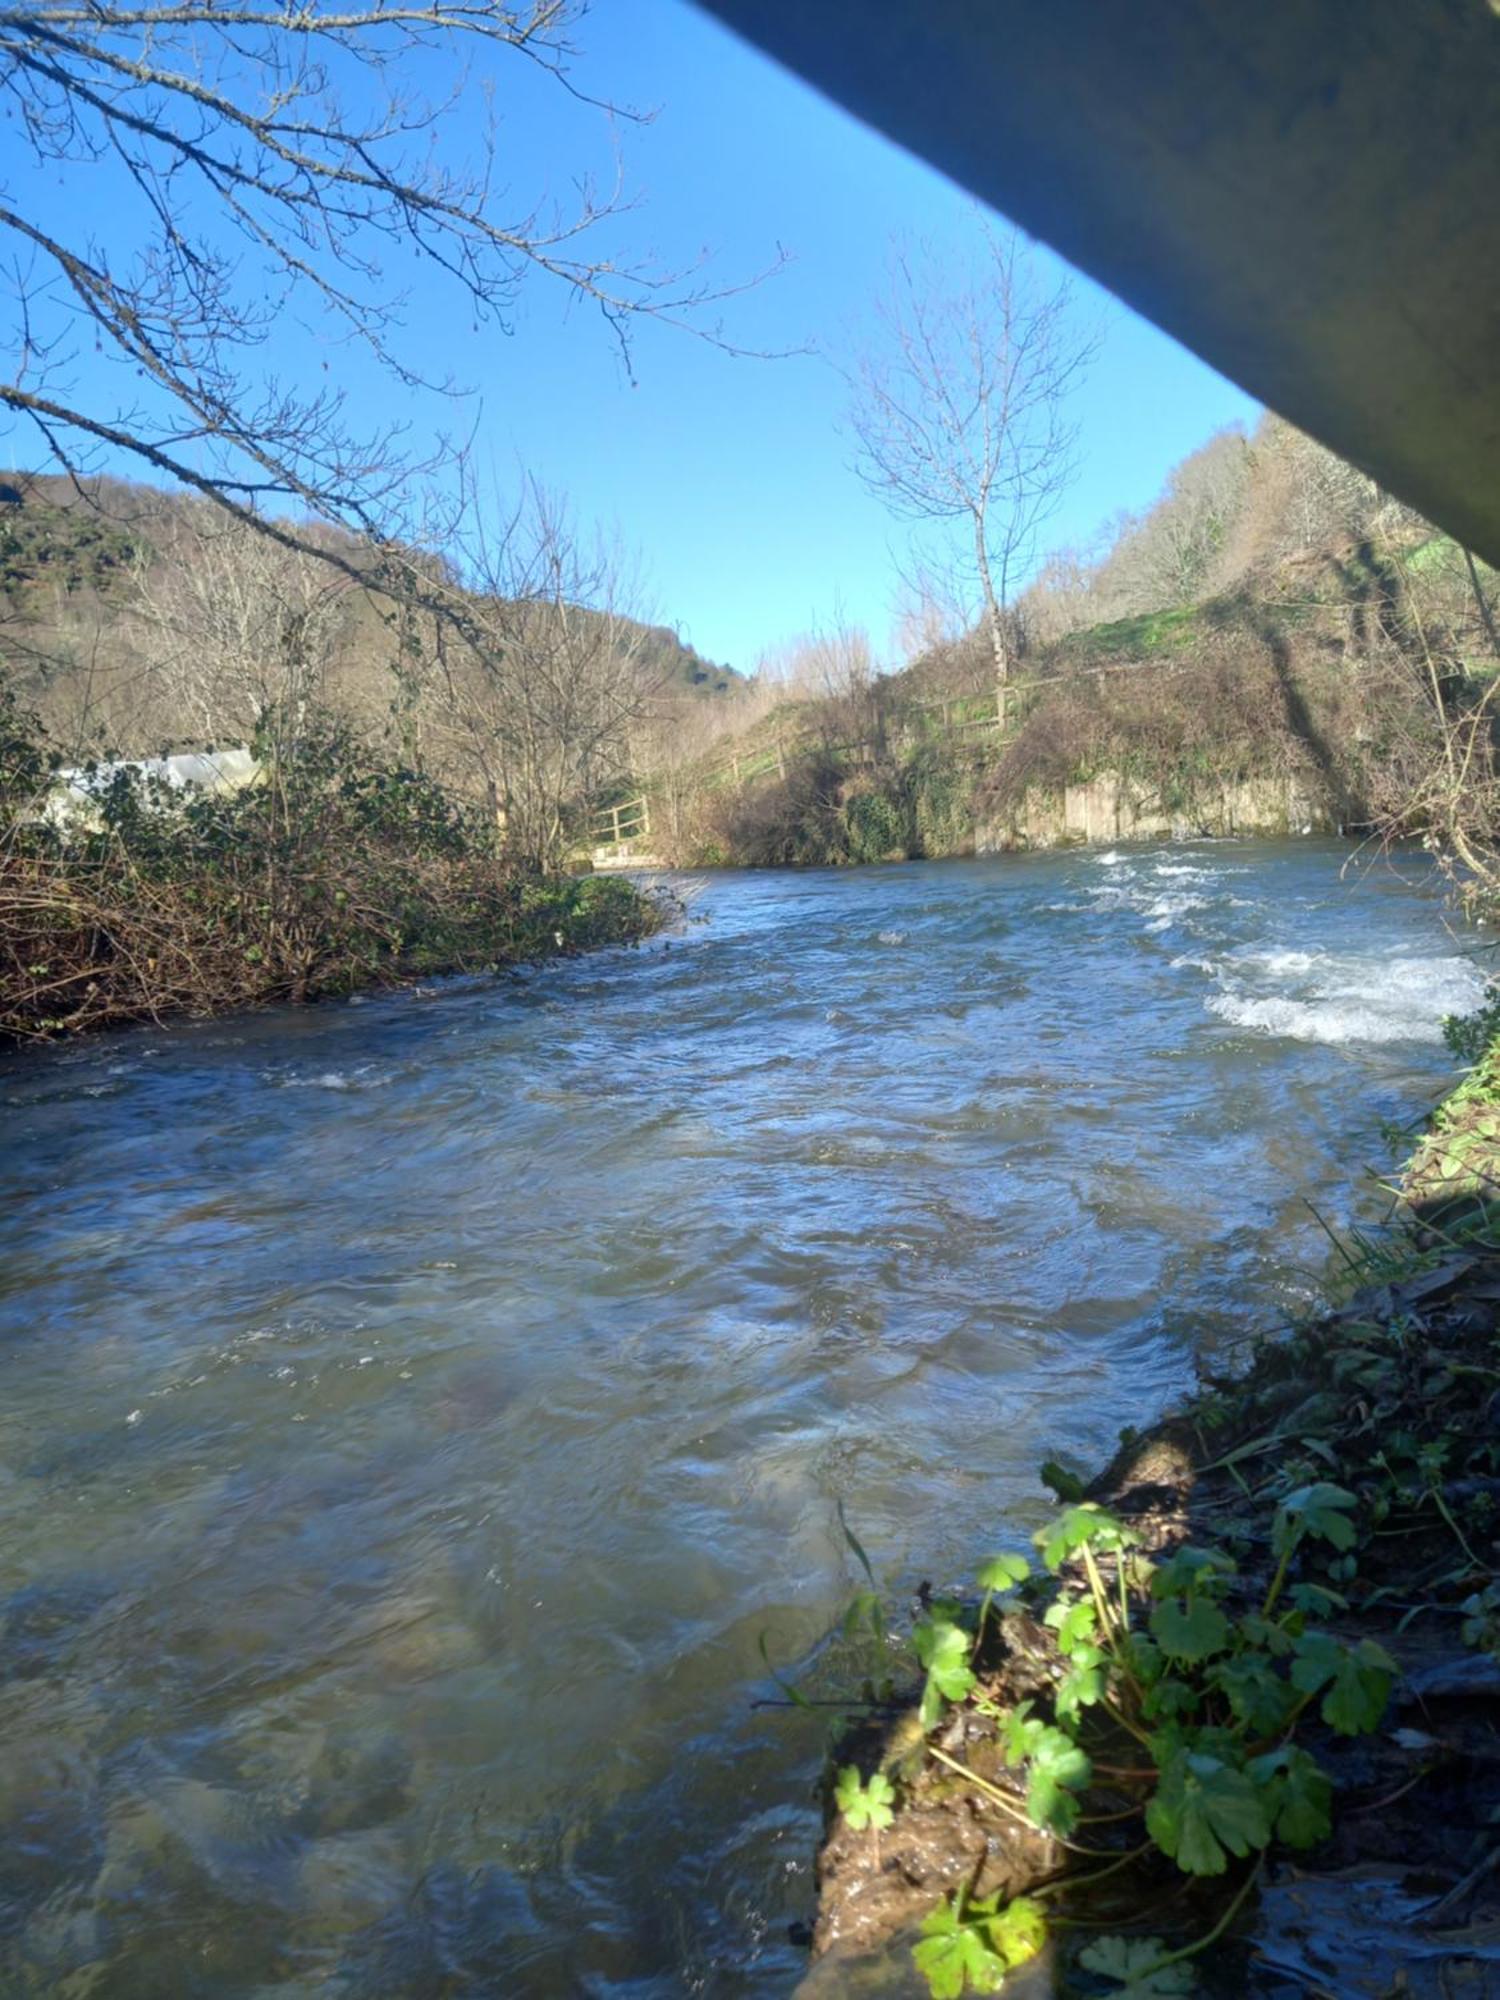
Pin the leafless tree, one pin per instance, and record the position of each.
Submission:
(232, 161)
(961, 412)
(1438, 776)
(926, 619)
(544, 679)
(1173, 551)
(237, 631)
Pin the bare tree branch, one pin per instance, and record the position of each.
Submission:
(960, 409)
(276, 158)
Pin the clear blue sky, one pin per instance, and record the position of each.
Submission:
(729, 475)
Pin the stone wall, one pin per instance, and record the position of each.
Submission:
(1110, 808)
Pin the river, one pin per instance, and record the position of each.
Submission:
(418, 1412)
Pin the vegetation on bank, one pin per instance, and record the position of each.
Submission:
(1117, 1745)
(1348, 686)
(1276, 644)
(340, 870)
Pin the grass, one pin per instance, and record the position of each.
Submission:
(1149, 632)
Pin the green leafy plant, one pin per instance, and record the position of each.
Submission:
(1134, 1964)
(971, 1943)
(1176, 1693)
(943, 1647)
(865, 1804)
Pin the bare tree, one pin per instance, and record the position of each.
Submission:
(1169, 557)
(545, 679)
(925, 620)
(961, 412)
(263, 157)
(237, 631)
(1441, 771)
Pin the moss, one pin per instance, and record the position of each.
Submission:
(1150, 632)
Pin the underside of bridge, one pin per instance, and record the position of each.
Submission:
(1305, 192)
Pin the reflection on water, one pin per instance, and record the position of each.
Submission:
(417, 1411)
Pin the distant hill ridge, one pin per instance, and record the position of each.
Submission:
(72, 555)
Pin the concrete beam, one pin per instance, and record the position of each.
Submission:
(1304, 192)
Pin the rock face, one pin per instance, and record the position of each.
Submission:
(1111, 807)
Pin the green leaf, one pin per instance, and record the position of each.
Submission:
(943, 1649)
(1357, 1680)
(864, 1609)
(1313, 1598)
(1189, 1629)
(1300, 1793)
(1085, 1525)
(1074, 1621)
(1004, 1572)
(1271, 1637)
(864, 1805)
(1081, 1686)
(972, 1945)
(1132, 1962)
(954, 1958)
(794, 1695)
(1321, 1510)
(1192, 1572)
(1203, 1806)
(1169, 1697)
(856, 1547)
(1051, 1807)
(1257, 1695)
(1064, 1484)
(1019, 1931)
(1023, 1731)
(1143, 1658)
(1056, 1770)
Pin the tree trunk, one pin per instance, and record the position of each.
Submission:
(993, 619)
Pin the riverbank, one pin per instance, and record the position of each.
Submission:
(87, 945)
(1240, 1719)
(335, 872)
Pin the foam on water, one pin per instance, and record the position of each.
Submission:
(363, 1076)
(1344, 997)
(1271, 988)
(1164, 911)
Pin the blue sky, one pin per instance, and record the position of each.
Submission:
(729, 476)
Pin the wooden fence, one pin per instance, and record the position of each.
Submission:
(630, 820)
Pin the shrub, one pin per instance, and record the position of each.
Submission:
(338, 871)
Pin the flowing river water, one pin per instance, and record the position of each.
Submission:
(417, 1413)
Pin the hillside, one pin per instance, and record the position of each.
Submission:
(103, 582)
(1273, 646)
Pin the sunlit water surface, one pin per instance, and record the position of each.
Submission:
(417, 1412)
